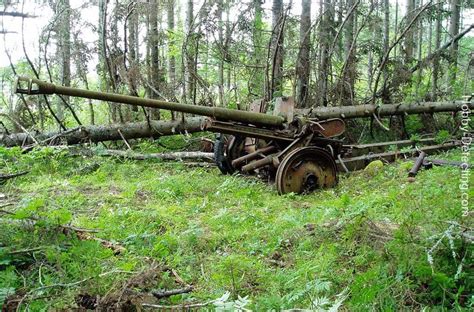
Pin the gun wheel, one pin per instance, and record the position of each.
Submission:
(305, 170)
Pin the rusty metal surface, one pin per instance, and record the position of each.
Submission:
(305, 170)
(328, 128)
(257, 164)
(417, 165)
(248, 131)
(36, 86)
(254, 155)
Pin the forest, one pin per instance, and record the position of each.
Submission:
(222, 155)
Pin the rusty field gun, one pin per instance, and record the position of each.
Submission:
(295, 151)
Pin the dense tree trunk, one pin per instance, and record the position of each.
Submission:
(191, 54)
(324, 38)
(453, 32)
(114, 63)
(154, 70)
(133, 58)
(419, 52)
(101, 66)
(348, 76)
(409, 36)
(276, 88)
(171, 43)
(436, 59)
(257, 79)
(64, 51)
(386, 34)
(395, 49)
(302, 62)
(221, 51)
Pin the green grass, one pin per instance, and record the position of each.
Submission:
(367, 240)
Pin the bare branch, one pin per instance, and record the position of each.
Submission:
(17, 14)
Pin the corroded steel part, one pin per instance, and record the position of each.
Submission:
(36, 86)
(417, 165)
(306, 169)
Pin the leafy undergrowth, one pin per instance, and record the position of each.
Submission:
(375, 242)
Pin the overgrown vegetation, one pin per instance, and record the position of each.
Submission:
(374, 242)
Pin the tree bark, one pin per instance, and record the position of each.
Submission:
(113, 132)
(409, 38)
(348, 76)
(221, 51)
(257, 80)
(303, 63)
(324, 37)
(277, 49)
(368, 110)
(190, 55)
(171, 44)
(436, 58)
(64, 51)
(154, 70)
(453, 32)
(386, 33)
(101, 66)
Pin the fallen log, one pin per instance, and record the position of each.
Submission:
(160, 294)
(162, 156)
(105, 133)
(360, 162)
(5, 177)
(368, 110)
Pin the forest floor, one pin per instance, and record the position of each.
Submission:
(375, 242)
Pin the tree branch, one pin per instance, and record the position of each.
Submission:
(423, 62)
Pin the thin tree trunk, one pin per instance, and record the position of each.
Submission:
(64, 52)
(436, 59)
(154, 77)
(303, 63)
(386, 33)
(348, 76)
(221, 51)
(171, 44)
(101, 46)
(277, 49)
(395, 50)
(453, 32)
(420, 50)
(409, 38)
(191, 53)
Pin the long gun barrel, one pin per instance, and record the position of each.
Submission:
(36, 86)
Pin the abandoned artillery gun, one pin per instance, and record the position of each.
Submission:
(295, 151)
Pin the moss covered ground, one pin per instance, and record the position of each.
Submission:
(375, 242)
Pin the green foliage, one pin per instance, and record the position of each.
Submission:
(442, 136)
(370, 243)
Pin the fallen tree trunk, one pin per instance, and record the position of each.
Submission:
(162, 156)
(368, 110)
(360, 162)
(105, 133)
